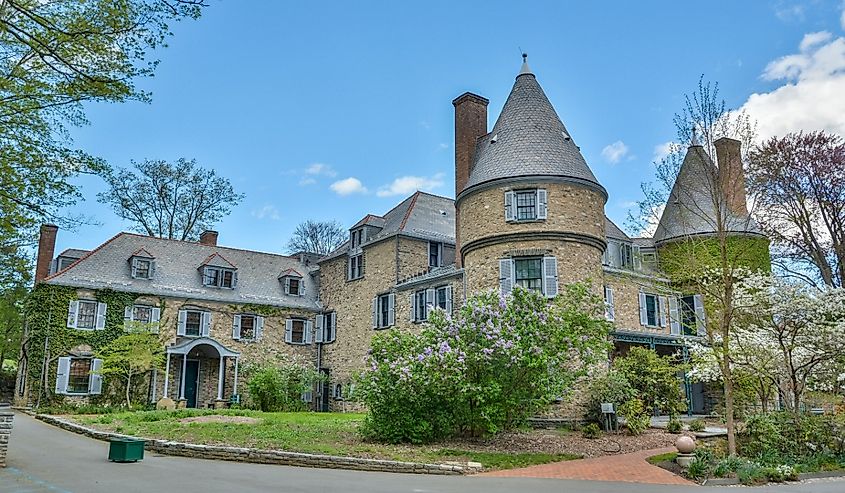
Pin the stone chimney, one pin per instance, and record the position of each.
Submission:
(731, 174)
(470, 124)
(46, 250)
(208, 237)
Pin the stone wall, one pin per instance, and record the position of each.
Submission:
(571, 208)
(6, 417)
(411, 257)
(626, 301)
(576, 262)
(352, 302)
(277, 457)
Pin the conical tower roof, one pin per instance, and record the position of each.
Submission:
(529, 139)
(693, 201)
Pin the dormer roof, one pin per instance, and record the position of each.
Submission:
(290, 273)
(217, 260)
(142, 252)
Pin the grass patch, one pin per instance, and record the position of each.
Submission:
(667, 457)
(315, 433)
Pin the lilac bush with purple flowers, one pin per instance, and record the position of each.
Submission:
(499, 361)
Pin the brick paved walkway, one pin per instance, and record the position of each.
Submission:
(631, 468)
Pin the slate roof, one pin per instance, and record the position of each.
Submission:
(613, 231)
(434, 274)
(528, 139)
(422, 215)
(177, 274)
(370, 220)
(73, 253)
(690, 209)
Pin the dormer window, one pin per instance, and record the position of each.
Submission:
(292, 281)
(526, 205)
(217, 272)
(142, 265)
(435, 254)
(357, 238)
(218, 277)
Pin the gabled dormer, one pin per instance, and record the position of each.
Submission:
(217, 272)
(142, 264)
(292, 282)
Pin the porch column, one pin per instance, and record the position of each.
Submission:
(235, 385)
(220, 380)
(167, 375)
(184, 368)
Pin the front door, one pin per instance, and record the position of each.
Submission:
(192, 374)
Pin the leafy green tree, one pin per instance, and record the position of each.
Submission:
(130, 356)
(11, 322)
(54, 57)
(654, 378)
(169, 200)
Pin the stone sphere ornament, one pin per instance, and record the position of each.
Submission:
(685, 444)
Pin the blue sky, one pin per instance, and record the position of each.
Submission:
(296, 103)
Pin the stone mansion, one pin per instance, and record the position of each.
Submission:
(527, 212)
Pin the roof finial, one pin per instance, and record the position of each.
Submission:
(694, 141)
(525, 70)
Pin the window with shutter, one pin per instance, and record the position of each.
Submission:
(319, 334)
(384, 311)
(674, 316)
(542, 203)
(550, 276)
(78, 376)
(206, 324)
(95, 383)
(700, 315)
(182, 323)
(298, 332)
(506, 275)
(309, 331)
(236, 327)
(509, 209)
(391, 309)
(609, 311)
(649, 310)
(72, 314)
(62, 375)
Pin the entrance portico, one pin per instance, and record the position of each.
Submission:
(196, 368)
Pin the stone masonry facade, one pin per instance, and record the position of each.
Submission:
(528, 211)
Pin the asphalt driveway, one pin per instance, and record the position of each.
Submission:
(43, 458)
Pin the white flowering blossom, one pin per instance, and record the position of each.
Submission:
(783, 336)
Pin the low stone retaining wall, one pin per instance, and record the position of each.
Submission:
(260, 456)
(6, 417)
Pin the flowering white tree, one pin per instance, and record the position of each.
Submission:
(785, 336)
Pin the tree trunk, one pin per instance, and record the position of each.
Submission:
(128, 387)
(729, 408)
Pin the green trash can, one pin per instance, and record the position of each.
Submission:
(126, 450)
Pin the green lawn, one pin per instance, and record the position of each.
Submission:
(317, 433)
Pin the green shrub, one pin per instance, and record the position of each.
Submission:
(698, 469)
(591, 431)
(654, 378)
(280, 388)
(697, 425)
(637, 419)
(610, 386)
(727, 466)
(497, 362)
(782, 437)
(752, 473)
(674, 425)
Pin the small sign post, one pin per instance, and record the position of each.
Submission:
(609, 412)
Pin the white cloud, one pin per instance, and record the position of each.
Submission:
(320, 169)
(442, 146)
(663, 150)
(305, 181)
(405, 185)
(613, 153)
(789, 12)
(348, 186)
(812, 94)
(268, 211)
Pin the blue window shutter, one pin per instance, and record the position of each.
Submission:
(62, 373)
(509, 208)
(287, 285)
(72, 313)
(259, 327)
(449, 299)
(289, 331)
(413, 300)
(643, 311)
(236, 327)
(101, 316)
(506, 275)
(391, 309)
(318, 328)
(309, 331)
(333, 332)
(674, 316)
(206, 324)
(550, 276)
(542, 203)
(183, 318)
(700, 315)
(155, 317)
(429, 301)
(375, 312)
(609, 313)
(95, 382)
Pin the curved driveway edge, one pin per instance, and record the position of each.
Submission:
(260, 456)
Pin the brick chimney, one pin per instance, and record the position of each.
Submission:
(470, 124)
(46, 250)
(208, 237)
(731, 174)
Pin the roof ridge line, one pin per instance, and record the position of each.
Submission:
(404, 222)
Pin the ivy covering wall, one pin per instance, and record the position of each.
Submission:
(684, 262)
(46, 318)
